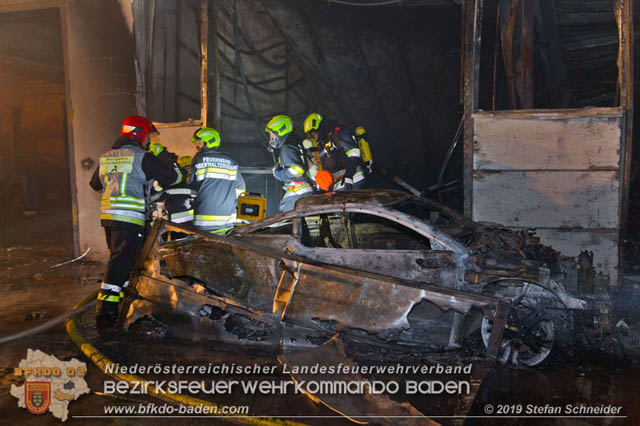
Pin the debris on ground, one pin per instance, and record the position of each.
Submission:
(37, 315)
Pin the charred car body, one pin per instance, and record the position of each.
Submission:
(379, 267)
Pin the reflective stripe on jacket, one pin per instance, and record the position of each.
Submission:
(211, 221)
(291, 164)
(348, 155)
(179, 203)
(340, 182)
(123, 182)
(181, 217)
(297, 188)
(216, 182)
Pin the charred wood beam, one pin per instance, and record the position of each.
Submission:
(499, 322)
(623, 10)
(463, 40)
(495, 58)
(526, 55)
(508, 19)
(209, 71)
(471, 73)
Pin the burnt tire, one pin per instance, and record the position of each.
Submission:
(529, 337)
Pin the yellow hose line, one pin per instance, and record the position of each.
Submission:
(101, 361)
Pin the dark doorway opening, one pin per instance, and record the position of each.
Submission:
(35, 189)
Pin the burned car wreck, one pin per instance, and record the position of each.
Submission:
(374, 266)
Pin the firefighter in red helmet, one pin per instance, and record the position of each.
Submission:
(123, 175)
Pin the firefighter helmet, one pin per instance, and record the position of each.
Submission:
(280, 126)
(185, 161)
(137, 127)
(210, 137)
(312, 122)
(155, 148)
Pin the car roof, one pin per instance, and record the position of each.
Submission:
(378, 197)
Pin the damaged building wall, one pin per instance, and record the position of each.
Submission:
(32, 125)
(555, 171)
(99, 86)
(102, 84)
(566, 172)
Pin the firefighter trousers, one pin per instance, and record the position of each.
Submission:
(124, 244)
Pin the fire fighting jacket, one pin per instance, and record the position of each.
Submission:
(345, 156)
(216, 181)
(178, 203)
(291, 167)
(122, 175)
(177, 198)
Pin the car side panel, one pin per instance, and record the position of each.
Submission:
(246, 276)
(428, 266)
(378, 307)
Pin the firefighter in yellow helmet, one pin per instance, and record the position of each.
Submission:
(290, 167)
(342, 156)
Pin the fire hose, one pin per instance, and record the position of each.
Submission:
(103, 362)
(47, 325)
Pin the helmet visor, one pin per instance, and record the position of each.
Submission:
(195, 137)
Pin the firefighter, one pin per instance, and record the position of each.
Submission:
(342, 155)
(289, 159)
(123, 175)
(159, 196)
(179, 198)
(216, 182)
(160, 151)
